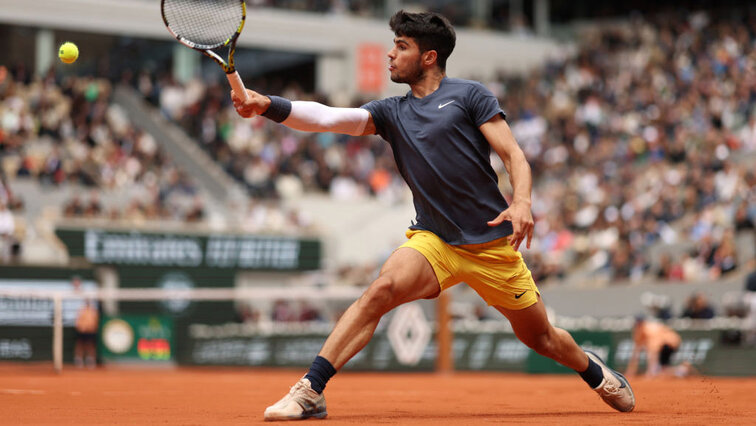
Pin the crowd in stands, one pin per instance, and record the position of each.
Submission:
(696, 306)
(272, 160)
(646, 136)
(71, 132)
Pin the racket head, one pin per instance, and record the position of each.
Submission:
(204, 24)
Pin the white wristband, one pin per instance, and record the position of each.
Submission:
(315, 117)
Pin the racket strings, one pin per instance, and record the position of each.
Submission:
(206, 23)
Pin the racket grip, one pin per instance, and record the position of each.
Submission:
(237, 84)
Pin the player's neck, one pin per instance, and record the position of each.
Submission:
(430, 82)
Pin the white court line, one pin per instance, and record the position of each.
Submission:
(22, 391)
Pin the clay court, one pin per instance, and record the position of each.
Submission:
(34, 394)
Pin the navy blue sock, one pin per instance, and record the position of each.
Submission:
(320, 372)
(593, 375)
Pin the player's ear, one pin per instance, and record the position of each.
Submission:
(430, 57)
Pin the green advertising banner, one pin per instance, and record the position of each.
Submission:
(185, 251)
(236, 344)
(489, 351)
(24, 343)
(706, 350)
(178, 279)
(600, 342)
(136, 338)
(296, 350)
(403, 341)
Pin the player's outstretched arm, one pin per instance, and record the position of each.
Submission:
(305, 116)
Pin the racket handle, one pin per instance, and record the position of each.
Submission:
(237, 84)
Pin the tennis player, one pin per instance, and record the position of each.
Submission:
(660, 342)
(442, 132)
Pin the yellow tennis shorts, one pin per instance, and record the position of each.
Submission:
(494, 269)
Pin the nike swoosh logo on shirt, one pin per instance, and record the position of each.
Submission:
(443, 105)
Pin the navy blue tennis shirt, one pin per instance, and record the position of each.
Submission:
(445, 159)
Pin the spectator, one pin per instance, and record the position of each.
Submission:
(698, 307)
(308, 313)
(9, 246)
(93, 207)
(283, 312)
(750, 296)
(668, 269)
(87, 323)
(724, 258)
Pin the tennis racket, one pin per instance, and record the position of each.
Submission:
(205, 25)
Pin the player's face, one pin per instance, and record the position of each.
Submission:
(405, 61)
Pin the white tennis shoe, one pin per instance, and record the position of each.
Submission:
(615, 390)
(302, 402)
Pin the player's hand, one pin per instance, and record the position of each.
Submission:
(522, 223)
(255, 104)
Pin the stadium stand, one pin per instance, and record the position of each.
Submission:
(641, 144)
(71, 132)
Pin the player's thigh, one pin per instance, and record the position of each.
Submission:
(407, 275)
(529, 324)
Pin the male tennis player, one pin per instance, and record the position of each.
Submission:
(660, 342)
(441, 132)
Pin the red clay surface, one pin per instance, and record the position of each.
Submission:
(34, 394)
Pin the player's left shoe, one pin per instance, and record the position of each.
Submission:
(302, 402)
(615, 390)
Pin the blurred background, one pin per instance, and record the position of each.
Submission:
(129, 172)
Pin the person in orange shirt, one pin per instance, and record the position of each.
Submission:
(660, 343)
(87, 323)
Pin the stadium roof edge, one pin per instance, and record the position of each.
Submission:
(334, 35)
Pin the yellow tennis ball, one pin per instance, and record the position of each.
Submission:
(68, 52)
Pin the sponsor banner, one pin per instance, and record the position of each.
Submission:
(178, 279)
(136, 338)
(297, 351)
(237, 344)
(489, 351)
(706, 350)
(33, 343)
(403, 342)
(174, 250)
(32, 311)
(600, 342)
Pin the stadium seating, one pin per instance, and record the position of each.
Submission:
(641, 144)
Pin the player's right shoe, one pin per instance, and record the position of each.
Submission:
(614, 389)
(302, 402)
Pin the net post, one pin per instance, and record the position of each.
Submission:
(444, 359)
(58, 333)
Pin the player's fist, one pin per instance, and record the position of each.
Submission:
(255, 104)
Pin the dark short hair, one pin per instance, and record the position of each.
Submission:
(430, 30)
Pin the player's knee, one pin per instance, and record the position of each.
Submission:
(542, 343)
(379, 297)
